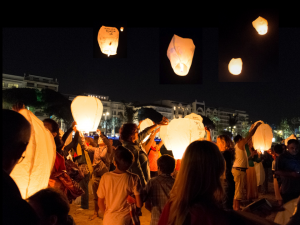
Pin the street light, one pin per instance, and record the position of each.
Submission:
(106, 114)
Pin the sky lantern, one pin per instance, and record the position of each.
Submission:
(198, 121)
(180, 53)
(261, 25)
(87, 112)
(33, 173)
(145, 124)
(121, 29)
(178, 134)
(262, 138)
(235, 66)
(108, 40)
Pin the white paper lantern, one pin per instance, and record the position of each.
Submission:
(87, 112)
(33, 173)
(198, 121)
(145, 124)
(262, 138)
(108, 40)
(235, 66)
(289, 138)
(261, 25)
(180, 53)
(121, 29)
(178, 134)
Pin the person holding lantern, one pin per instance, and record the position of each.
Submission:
(288, 168)
(240, 165)
(226, 147)
(131, 139)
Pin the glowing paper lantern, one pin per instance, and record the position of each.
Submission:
(261, 25)
(235, 66)
(108, 39)
(178, 134)
(198, 121)
(289, 138)
(87, 112)
(145, 124)
(121, 29)
(180, 53)
(262, 138)
(33, 173)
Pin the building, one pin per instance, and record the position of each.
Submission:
(28, 81)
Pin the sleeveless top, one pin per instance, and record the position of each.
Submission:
(241, 159)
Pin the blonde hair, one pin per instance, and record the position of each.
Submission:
(198, 180)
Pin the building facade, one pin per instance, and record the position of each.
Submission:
(28, 81)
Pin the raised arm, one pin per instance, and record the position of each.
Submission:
(251, 133)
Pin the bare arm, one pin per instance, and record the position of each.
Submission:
(138, 201)
(159, 145)
(149, 143)
(208, 136)
(101, 204)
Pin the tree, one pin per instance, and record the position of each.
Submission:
(285, 127)
(232, 121)
(27, 96)
(55, 104)
(129, 114)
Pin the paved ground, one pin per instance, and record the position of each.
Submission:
(82, 217)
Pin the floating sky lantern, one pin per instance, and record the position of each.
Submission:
(262, 138)
(121, 29)
(261, 25)
(235, 66)
(108, 40)
(180, 53)
(33, 173)
(87, 112)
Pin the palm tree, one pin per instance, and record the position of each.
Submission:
(232, 121)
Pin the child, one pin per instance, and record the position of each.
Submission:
(158, 188)
(115, 187)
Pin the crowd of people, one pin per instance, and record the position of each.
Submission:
(208, 188)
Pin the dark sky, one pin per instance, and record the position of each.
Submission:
(68, 55)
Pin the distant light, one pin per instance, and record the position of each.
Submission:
(273, 139)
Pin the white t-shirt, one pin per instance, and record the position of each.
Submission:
(241, 159)
(114, 188)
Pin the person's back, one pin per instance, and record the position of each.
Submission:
(158, 188)
(115, 187)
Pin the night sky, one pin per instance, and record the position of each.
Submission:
(271, 92)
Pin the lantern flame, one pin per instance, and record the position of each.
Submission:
(235, 66)
(181, 67)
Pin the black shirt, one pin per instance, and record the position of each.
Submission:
(15, 210)
(229, 162)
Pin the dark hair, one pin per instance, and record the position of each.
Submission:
(127, 131)
(166, 164)
(278, 149)
(17, 106)
(51, 202)
(229, 146)
(55, 129)
(123, 158)
(117, 143)
(237, 138)
(15, 135)
(293, 141)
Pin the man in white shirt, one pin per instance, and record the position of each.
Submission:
(240, 166)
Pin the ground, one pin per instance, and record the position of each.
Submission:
(81, 217)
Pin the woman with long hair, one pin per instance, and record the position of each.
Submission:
(226, 147)
(197, 188)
